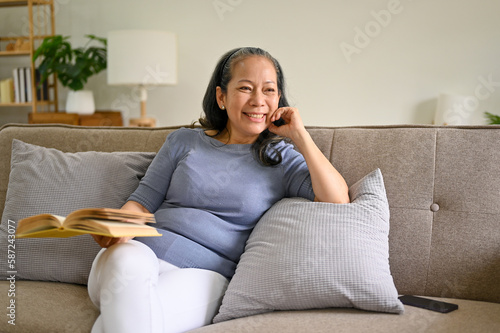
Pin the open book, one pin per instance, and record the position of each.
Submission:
(100, 221)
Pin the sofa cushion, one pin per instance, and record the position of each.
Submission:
(49, 307)
(471, 317)
(305, 255)
(46, 180)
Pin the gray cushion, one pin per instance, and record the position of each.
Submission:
(46, 180)
(305, 255)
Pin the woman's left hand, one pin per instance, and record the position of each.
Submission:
(293, 123)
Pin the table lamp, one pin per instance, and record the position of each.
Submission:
(142, 58)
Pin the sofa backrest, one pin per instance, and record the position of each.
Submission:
(442, 183)
(443, 187)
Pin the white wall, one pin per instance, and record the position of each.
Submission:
(336, 75)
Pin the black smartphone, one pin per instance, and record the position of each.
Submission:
(279, 122)
(428, 304)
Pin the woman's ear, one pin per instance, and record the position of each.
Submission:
(221, 97)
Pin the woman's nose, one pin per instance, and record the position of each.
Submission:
(257, 98)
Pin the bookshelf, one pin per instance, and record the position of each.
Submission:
(36, 21)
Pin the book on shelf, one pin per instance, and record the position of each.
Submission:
(42, 90)
(15, 76)
(23, 86)
(28, 84)
(7, 91)
(99, 221)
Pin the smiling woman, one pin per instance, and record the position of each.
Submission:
(208, 187)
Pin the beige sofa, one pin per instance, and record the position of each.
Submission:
(443, 188)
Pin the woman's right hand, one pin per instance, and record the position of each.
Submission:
(105, 241)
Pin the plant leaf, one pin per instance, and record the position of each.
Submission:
(493, 118)
(72, 66)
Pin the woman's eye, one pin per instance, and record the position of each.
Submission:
(245, 88)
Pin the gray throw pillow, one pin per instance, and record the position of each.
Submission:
(46, 180)
(307, 255)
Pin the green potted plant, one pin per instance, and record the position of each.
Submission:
(493, 119)
(73, 67)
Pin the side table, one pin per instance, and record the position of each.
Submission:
(102, 118)
(98, 118)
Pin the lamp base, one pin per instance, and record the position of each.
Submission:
(142, 122)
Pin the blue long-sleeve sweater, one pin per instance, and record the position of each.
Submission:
(207, 197)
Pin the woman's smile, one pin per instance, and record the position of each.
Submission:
(257, 117)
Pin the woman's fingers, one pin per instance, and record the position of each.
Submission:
(276, 115)
(283, 112)
(106, 242)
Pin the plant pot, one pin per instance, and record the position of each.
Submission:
(81, 102)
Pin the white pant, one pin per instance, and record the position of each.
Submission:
(137, 292)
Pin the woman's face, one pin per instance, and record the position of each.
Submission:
(251, 98)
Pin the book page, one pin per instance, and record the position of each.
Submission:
(40, 222)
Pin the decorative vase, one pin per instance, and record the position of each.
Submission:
(81, 102)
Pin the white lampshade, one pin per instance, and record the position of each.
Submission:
(142, 57)
(454, 109)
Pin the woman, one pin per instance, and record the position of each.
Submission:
(208, 187)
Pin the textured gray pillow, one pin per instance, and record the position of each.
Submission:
(44, 180)
(306, 255)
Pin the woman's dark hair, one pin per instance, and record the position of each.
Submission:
(216, 119)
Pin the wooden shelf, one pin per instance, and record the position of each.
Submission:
(12, 3)
(39, 28)
(3, 39)
(30, 104)
(20, 3)
(14, 53)
(16, 104)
